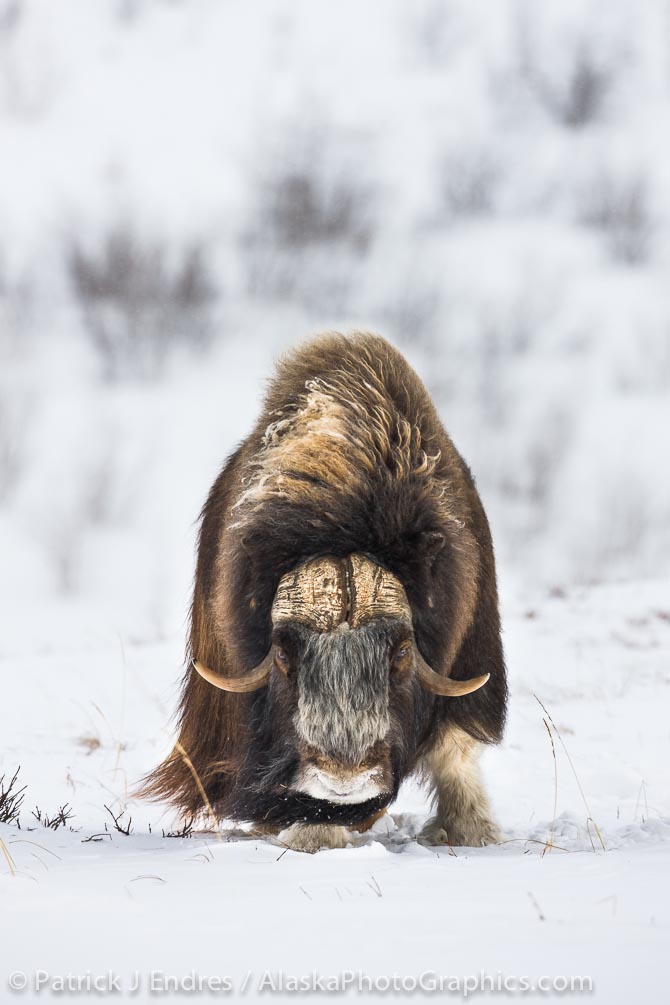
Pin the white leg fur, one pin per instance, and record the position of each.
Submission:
(313, 837)
(463, 816)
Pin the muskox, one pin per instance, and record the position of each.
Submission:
(344, 626)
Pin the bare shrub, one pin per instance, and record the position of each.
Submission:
(645, 366)
(619, 209)
(547, 441)
(16, 414)
(506, 337)
(11, 798)
(185, 831)
(27, 89)
(63, 535)
(137, 306)
(11, 13)
(100, 488)
(573, 89)
(626, 532)
(129, 10)
(312, 220)
(468, 181)
(122, 826)
(107, 481)
(320, 280)
(55, 821)
(301, 208)
(580, 98)
(97, 487)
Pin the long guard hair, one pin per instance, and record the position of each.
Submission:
(348, 455)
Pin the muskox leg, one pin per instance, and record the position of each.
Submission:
(313, 837)
(462, 816)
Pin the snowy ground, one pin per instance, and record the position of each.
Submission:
(84, 721)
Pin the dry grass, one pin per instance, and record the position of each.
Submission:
(550, 843)
(590, 822)
(642, 795)
(89, 743)
(10, 861)
(201, 789)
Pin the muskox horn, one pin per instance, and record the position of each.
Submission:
(252, 681)
(326, 591)
(446, 685)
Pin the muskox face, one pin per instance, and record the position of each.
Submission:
(347, 681)
(348, 705)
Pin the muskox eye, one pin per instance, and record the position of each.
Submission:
(282, 660)
(402, 656)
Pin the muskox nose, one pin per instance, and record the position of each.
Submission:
(340, 786)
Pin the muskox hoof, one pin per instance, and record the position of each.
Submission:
(314, 837)
(473, 834)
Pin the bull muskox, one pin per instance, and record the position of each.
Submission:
(344, 626)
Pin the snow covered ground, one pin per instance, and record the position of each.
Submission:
(85, 721)
(188, 187)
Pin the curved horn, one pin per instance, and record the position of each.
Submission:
(446, 685)
(252, 681)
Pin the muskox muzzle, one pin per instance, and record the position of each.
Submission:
(335, 594)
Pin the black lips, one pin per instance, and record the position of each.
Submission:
(292, 808)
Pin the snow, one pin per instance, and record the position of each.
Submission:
(85, 722)
(449, 185)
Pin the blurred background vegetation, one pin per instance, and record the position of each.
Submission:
(189, 187)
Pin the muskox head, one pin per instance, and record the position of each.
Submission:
(345, 669)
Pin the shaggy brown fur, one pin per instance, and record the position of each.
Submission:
(348, 455)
